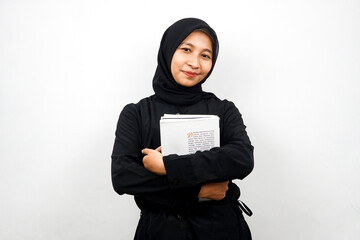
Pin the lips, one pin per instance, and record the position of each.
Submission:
(190, 74)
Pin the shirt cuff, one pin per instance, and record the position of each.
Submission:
(179, 171)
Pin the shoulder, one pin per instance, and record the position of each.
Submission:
(229, 106)
(224, 105)
(213, 98)
(136, 107)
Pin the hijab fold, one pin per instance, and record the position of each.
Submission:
(164, 85)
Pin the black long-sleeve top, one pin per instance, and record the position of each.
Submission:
(138, 128)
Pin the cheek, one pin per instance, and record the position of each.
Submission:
(207, 67)
(173, 68)
(175, 63)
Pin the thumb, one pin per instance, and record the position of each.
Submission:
(145, 151)
(158, 149)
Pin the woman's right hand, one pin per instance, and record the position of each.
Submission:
(214, 191)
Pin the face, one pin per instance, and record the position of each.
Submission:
(192, 60)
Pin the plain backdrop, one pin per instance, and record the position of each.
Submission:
(67, 68)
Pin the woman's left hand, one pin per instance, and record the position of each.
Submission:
(153, 161)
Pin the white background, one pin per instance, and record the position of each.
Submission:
(68, 67)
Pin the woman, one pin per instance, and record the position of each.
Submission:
(167, 188)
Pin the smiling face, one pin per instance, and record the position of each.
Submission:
(192, 60)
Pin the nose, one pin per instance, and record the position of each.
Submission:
(193, 61)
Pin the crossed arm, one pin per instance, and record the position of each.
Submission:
(153, 161)
(172, 180)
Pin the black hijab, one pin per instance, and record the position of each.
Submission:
(164, 85)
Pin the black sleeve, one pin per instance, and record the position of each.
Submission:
(128, 173)
(232, 160)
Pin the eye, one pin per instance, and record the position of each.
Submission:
(206, 56)
(185, 49)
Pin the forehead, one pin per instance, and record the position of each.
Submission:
(198, 39)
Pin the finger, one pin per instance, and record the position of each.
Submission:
(146, 151)
(158, 149)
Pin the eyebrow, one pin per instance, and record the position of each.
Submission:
(191, 45)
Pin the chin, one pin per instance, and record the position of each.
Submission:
(187, 83)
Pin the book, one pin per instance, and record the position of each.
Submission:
(184, 134)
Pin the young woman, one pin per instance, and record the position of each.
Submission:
(167, 188)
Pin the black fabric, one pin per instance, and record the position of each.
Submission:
(164, 85)
(169, 204)
(138, 128)
(206, 221)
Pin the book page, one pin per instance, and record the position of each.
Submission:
(201, 141)
(186, 134)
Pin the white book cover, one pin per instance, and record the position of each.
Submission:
(183, 134)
